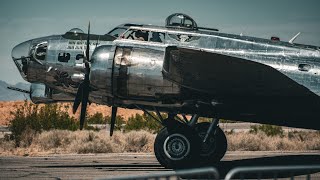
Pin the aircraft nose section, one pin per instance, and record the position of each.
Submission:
(20, 55)
(21, 50)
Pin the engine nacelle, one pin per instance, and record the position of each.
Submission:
(40, 93)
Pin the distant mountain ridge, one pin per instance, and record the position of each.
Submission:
(10, 95)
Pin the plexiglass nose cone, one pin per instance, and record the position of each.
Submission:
(21, 50)
(20, 54)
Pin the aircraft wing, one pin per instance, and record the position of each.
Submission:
(224, 75)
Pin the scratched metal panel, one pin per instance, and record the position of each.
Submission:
(101, 68)
(53, 49)
(145, 75)
(144, 71)
(208, 42)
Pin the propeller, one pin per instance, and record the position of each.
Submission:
(82, 96)
(113, 119)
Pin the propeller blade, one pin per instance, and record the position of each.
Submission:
(84, 104)
(113, 119)
(78, 98)
(84, 88)
(88, 45)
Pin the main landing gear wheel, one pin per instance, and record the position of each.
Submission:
(176, 146)
(213, 150)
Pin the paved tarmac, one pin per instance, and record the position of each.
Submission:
(94, 166)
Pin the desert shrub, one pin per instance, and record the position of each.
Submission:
(269, 130)
(119, 122)
(151, 124)
(6, 145)
(96, 146)
(203, 119)
(142, 122)
(245, 142)
(228, 121)
(65, 141)
(254, 129)
(139, 141)
(29, 119)
(135, 123)
(54, 139)
(96, 118)
(27, 137)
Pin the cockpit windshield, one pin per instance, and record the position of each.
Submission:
(116, 32)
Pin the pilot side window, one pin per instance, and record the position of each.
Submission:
(134, 34)
(143, 35)
(63, 57)
(156, 37)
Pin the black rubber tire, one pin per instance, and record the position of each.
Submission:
(187, 160)
(218, 148)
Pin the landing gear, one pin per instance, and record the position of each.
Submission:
(214, 148)
(176, 147)
(180, 145)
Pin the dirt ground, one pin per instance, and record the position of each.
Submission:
(10, 106)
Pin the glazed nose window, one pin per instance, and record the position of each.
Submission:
(21, 55)
(21, 50)
(40, 51)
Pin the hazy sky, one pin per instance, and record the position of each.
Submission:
(21, 20)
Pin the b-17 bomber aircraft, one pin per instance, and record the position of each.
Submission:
(179, 69)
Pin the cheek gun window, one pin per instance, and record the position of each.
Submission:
(40, 51)
(64, 57)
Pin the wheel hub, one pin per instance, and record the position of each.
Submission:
(176, 146)
(209, 146)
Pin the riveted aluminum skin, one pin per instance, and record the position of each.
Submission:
(207, 73)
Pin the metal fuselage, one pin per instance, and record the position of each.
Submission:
(193, 72)
(60, 69)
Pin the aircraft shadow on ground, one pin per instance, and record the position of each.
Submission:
(224, 167)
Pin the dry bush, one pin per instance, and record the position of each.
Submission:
(119, 141)
(298, 141)
(93, 142)
(95, 146)
(6, 145)
(8, 106)
(27, 136)
(54, 139)
(139, 141)
(64, 141)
